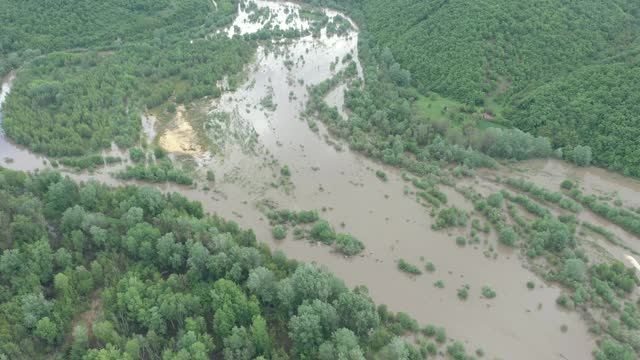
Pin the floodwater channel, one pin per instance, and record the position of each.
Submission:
(254, 141)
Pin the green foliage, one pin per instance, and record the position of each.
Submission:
(616, 275)
(348, 244)
(69, 103)
(168, 273)
(567, 184)
(279, 232)
(603, 119)
(211, 176)
(508, 236)
(322, 231)
(457, 351)
(430, 267)
(575, 86)
(450, 217)
(495, 200)
(136, 155)
(463, 292)
(531, 285)
(613, 350)
(581, 155)
(407, 267)
(488, 292)
(160, 172)
(543, 194)
(627, 219)
(381, 175)
(574, 270)
(284, 171)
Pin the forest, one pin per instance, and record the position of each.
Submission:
(92, 272)
(565, 70)
(86, 89)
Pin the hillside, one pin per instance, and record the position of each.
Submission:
(547, 60)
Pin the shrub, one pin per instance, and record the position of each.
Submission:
(430, 267)
(285, 171)
(495, 200)
(279, 232)
(574, 270)
(348, 244)
(441, 335)
(457, 351)
(136, 155)
(531, 285)
(487, 292)
(381, 175)
(307, 217)
(408, 267)
(461, 241)
(567, 184)
(463, 292)
(429, 330)
(450, 217)
(439, 284)
(508, 236)
(322, 231)
(211, 176)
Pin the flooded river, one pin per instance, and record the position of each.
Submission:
(254, 141)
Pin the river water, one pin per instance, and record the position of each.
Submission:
(253, 142)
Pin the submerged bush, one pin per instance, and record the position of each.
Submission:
(348, 244)
(408, 267)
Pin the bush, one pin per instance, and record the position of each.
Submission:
(307, 217)
(531, 285)
(567, 184)
(322, 231)
(348, 244)
(211, 176)
(463, 292)
(487, 292)
(136, 155)
(279, 232)
(508, 236)
(285, 171)
(450, 217)
(461, 241)
(408, 267)
(429, 330)
(381, 175)
(457, 351)
(441, 335)
(439, 284)
(574, 270)
(430, 267)
(495, 200)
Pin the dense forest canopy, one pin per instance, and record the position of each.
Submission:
(90, 272)
(549, 61)
(88, 72)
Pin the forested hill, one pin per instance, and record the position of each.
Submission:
(566, 68)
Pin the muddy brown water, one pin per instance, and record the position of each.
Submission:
(517, 324)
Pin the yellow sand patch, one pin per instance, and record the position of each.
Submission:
(179, 136)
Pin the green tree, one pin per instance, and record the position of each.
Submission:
(47, 330)
(581, 155)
